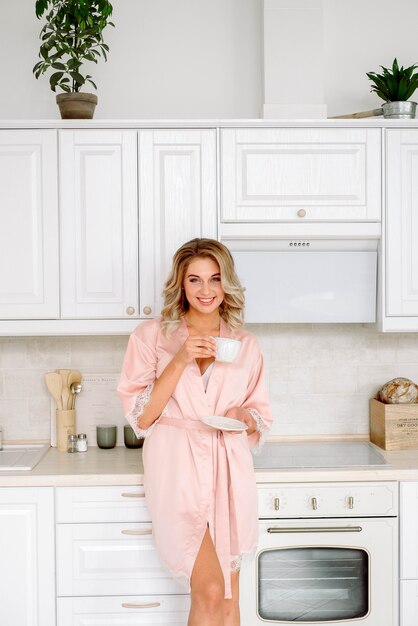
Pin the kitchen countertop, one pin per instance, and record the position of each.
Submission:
(121, 466)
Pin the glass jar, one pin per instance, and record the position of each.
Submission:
(72, 443)
(82, 442)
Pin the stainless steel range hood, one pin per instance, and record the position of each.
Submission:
(308, 280)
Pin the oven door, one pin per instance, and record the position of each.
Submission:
(327, 571)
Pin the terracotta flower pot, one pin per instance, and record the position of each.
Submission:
(76, 105)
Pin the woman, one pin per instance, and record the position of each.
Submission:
(199, 481)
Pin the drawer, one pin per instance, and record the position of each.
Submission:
(101, 504)
(328, 500)
(124, 611)
(110, 559)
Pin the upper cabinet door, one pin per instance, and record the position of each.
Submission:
(177, 182)
(28, 224)
(99, 224)
(402, 224)
(300, 174)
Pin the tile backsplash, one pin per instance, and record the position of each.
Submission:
(320, 377)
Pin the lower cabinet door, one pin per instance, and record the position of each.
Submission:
(27, 576)
(110, 559)
(409, 602)
(124, 611)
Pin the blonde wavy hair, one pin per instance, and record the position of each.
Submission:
(175, 302)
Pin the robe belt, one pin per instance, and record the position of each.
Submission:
(222, 491)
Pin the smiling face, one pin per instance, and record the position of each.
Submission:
(202, 285)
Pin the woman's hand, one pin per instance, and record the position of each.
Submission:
(196, 347)
(238, 413)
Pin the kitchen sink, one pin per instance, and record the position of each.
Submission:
(21, 456)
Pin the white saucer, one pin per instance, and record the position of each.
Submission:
(224, 423)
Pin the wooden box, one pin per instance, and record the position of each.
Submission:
(394, 426)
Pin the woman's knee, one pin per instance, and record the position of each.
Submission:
(210, 596)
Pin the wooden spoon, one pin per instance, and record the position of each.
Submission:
(65, 393)
(54, 383)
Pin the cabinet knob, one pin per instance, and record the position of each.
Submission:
(276, 504)
(350, 501)
(314, 503)
(301, 213)
(130, 310)
(147, 310)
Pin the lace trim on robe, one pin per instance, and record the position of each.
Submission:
(137, 410)
(261, 428)
(238, 561)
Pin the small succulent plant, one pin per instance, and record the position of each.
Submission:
(396, 84)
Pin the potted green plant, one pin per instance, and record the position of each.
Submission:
(72, 34)
(395, 86)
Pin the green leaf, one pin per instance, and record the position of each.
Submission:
(90, 81)
(77, 77)
(55, 78)
(58, 66)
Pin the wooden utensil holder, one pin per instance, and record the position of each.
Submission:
(66, 425)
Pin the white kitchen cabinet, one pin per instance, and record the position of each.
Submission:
(27, 573)
(110, 559)
(177, 186)
(99, 224)
(128, 199)
(124, 611)
(28, 224)
(400, 289)
(300, 174)
(108, 570)
(409, 603)
(408, 553)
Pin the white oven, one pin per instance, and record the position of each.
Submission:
(327, 554)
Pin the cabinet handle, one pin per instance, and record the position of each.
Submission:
(314, 503)
(276, 504)
(350, 502)
(301, 213)
(133, 495)
(150, 605)
(147, 310)
(136, 533)
(130, 310)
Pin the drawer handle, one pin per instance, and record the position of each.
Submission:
(133, 495)
(136, 532)
(150, 605)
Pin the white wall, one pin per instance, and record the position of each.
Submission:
(168, 59)
(361, 35)
(203, 58)
(321, 376)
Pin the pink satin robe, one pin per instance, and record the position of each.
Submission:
(195, 474)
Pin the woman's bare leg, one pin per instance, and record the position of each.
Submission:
(231, 606)
(207, 587)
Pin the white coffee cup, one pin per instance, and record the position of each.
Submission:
(227, 349)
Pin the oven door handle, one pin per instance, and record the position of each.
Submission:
(316, 529)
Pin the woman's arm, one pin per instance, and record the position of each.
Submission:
(194, 347)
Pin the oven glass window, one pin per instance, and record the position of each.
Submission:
(313, 584)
